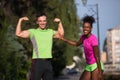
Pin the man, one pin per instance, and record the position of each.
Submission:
(42, 45)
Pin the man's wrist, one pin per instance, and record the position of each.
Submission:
(20, 20)
(59, 22)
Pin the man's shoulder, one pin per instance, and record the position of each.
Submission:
(49, 29)
(32, 29)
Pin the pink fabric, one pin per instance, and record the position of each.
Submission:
(88, 44)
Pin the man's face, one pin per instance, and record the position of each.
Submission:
(42, 22)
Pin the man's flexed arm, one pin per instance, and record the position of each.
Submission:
(19, 32)
(60, 28)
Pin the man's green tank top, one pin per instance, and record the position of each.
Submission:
(42, 42)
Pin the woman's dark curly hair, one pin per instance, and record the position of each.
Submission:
(89, 19)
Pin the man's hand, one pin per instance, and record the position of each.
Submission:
(57, 20)
(24, 18)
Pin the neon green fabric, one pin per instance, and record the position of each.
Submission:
(92, 67)
(42, 42)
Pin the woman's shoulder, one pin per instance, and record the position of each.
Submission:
(93, 36)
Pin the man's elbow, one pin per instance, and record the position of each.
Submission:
(61, 32)
(17, 34)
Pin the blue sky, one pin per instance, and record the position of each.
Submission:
(109, 15)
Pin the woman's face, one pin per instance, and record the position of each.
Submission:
(87, 28)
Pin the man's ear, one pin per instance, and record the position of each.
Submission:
(36, 22)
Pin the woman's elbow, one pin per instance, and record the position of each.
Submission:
(77, 44)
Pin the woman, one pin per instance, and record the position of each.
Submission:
(94, 67)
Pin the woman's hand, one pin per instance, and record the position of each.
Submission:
(100, 75)
(59, 36)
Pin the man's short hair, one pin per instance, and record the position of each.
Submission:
(40, 14)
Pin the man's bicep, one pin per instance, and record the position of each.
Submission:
(56, 34)
(24, 34)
